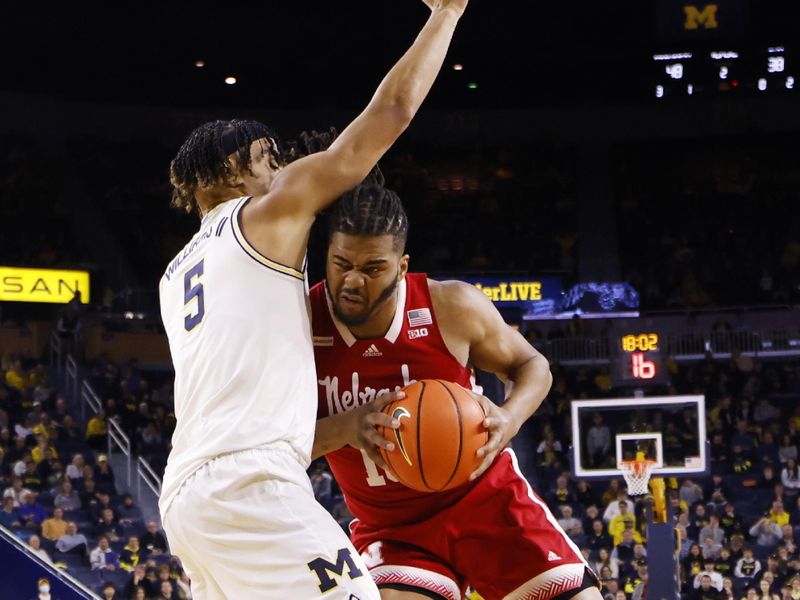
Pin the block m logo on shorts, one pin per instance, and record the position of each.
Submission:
(707, 17)
(322, 568)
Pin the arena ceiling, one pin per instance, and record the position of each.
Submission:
(323, 54)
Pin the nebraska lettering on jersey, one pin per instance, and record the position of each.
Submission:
(354, 396)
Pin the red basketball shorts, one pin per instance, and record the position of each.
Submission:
(501, 539)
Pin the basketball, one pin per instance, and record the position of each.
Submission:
(441, 429)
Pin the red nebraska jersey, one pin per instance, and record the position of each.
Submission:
(352, 372)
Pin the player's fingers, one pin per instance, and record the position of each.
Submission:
(376, 457)
(376, 440)
(387, 398)
(492, 445)
(485, 463)
(379, 419)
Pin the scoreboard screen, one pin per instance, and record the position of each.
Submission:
(683, 74)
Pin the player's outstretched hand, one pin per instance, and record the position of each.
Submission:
(458, 5)
(368, 418)
(502, 428)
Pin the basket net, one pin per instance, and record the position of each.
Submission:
(637, 474)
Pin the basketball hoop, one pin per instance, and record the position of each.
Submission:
(637, 474)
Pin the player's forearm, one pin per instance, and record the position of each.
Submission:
(531, 383)
(410, 79)
(330, 435)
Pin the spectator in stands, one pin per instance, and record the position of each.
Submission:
(767, 450)
(706, 590)
(572, 526)
(165, 591)
(36, 547)
(321, 483)
(67, 499)
(730, 521)
(693, 563)
(128, 513)
(724, 565)
(9, 516)
(598, 440)
(104, 476)
(624, 520)
(764, 411)
(623, 552)
(153, 541)
(787, 450)
(598, 538)
(561, 494)
(585, 495)
(604, 560)
(613, 508)
(743, 437)
(788, 540)
(610, 494)
(97, 431)
(75, 469)
(73, 542)
(765, 590)
(690, 492)
(713, 530)
(31, 478)
(109, 591)
(102, 502)
(54, 527)
(590, 513)
(138, 581)
(717, 503)
(767, 532)
(711, 549)
(747, 567)
(108, 526)
(69, 436)
(790, 478)
(131, 554)
(777, 515)
(737, 546)
(16, 491)
(103, 558)
(165, 575)
(708, 571)
(698, 520)
(31, 512)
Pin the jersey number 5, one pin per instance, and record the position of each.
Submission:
(193, 291)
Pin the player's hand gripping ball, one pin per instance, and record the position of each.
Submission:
(441, 429)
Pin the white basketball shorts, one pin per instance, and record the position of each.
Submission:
(247, 525)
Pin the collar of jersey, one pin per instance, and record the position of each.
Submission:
(215, 210)
(395, 328)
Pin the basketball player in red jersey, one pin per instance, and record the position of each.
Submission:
(377, 328)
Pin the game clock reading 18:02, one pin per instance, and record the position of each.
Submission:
(637, 360)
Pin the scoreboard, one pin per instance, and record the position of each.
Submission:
(767, 70)
(713, 47)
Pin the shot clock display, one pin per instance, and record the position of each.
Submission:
(636, 360)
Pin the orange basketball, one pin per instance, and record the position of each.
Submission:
(441, 429)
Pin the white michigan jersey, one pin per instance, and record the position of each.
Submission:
(240, 339)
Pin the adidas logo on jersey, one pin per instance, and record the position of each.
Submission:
(372, 351)
(551, 556)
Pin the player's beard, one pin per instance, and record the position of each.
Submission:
(366, 314)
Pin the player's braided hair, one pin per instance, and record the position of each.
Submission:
(202, 160)
(370, 209)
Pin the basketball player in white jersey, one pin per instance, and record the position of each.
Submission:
(236, 503)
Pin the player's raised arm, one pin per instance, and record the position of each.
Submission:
(308, 185)
(497, 348)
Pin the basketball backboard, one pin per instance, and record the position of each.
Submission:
(670, 430)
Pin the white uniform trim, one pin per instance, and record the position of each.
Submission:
(416, 577)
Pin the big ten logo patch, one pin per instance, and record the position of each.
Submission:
(414, 334)
(324, 569)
